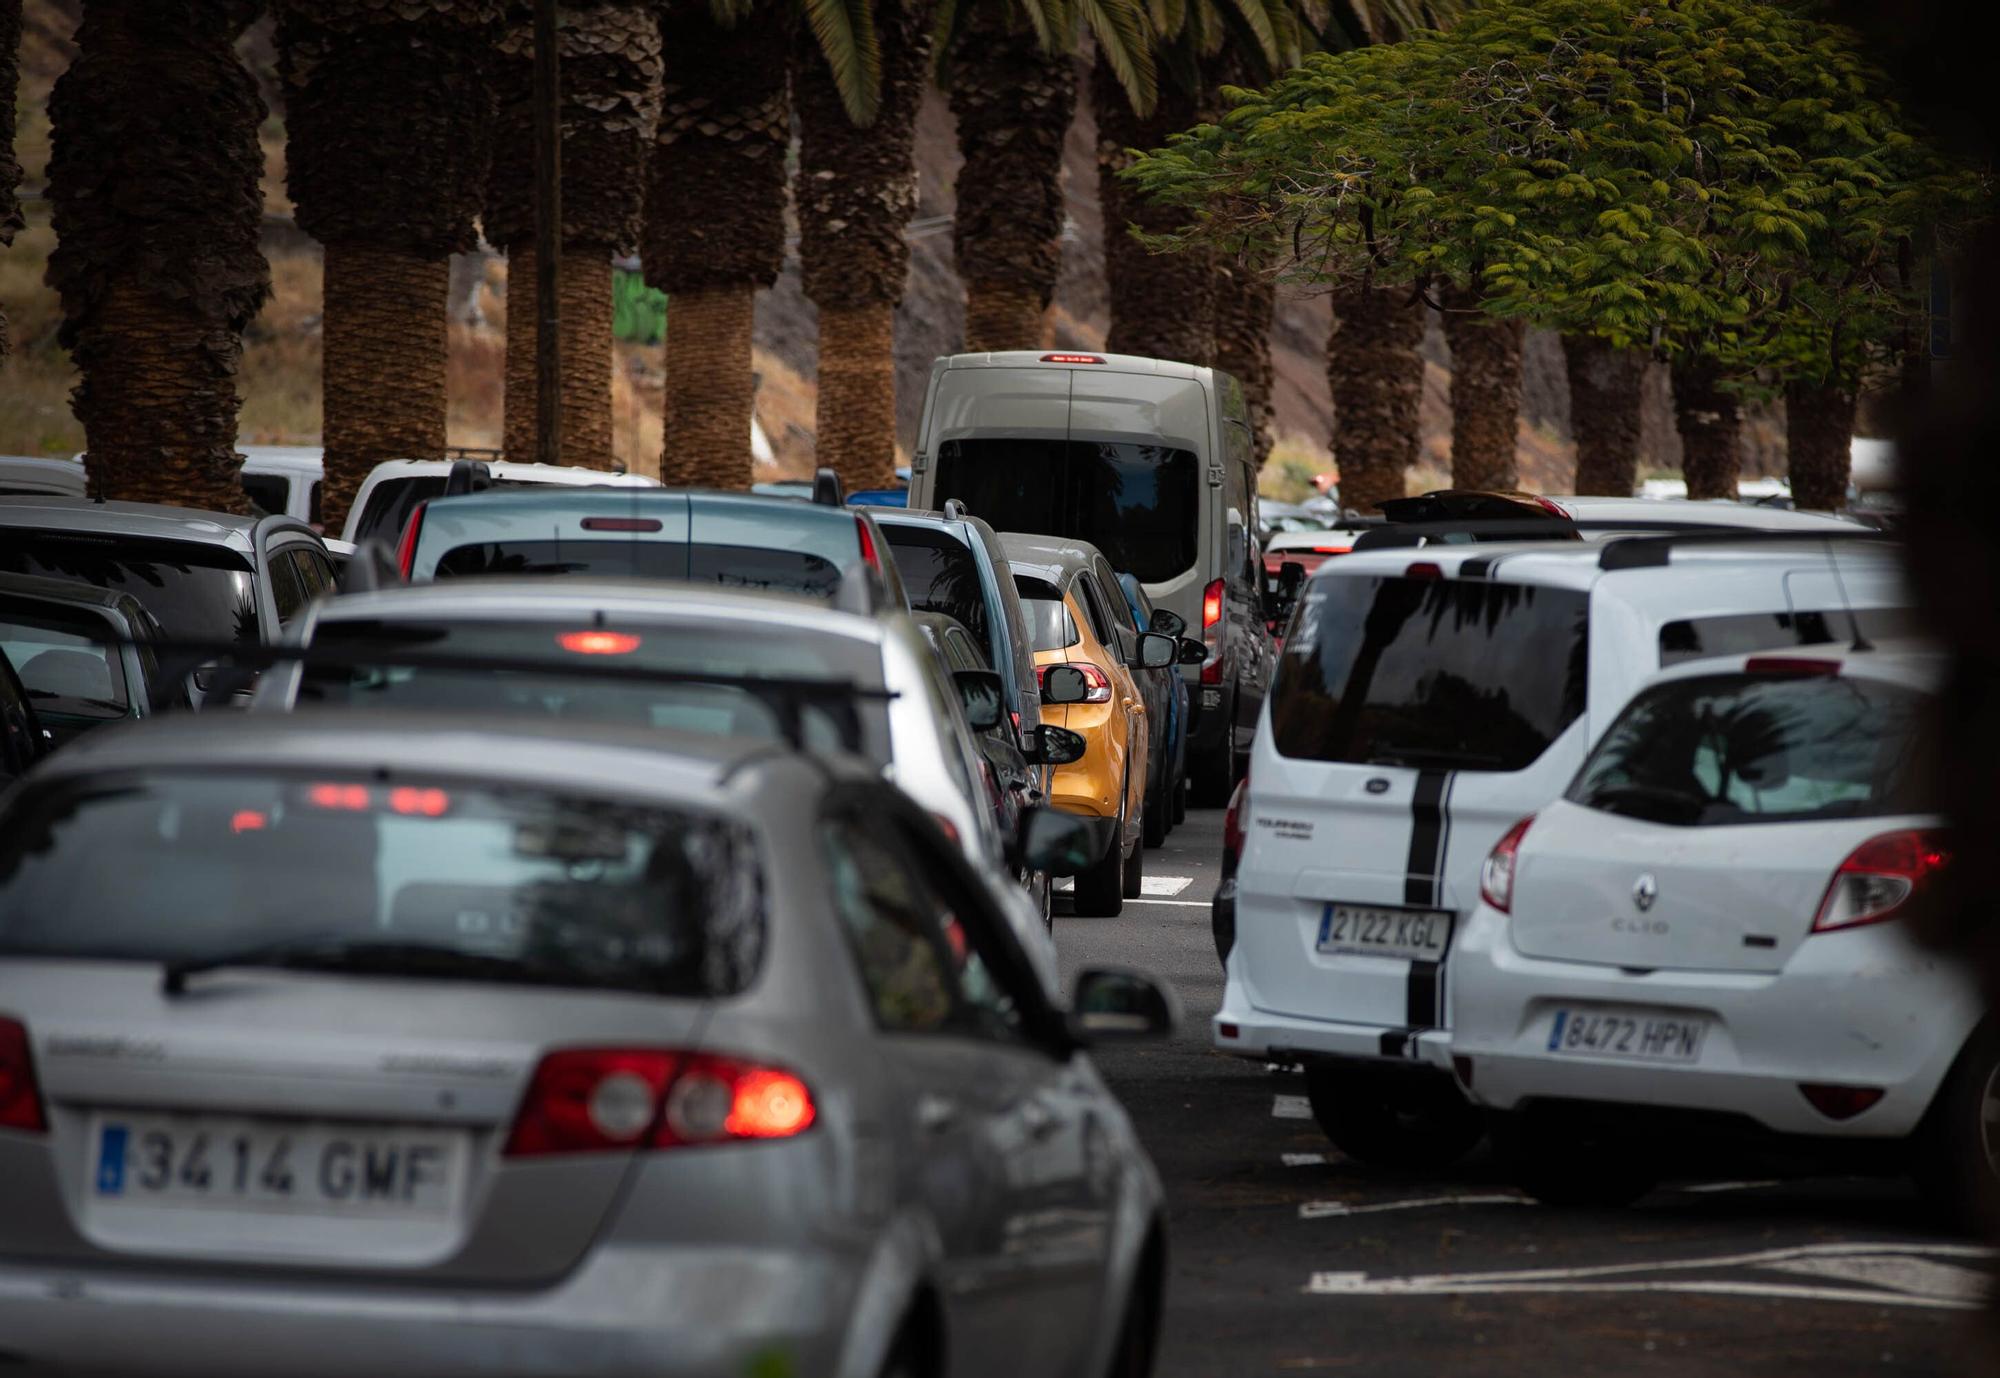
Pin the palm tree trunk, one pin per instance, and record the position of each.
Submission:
(1605, 389)
(1711, 426)
(384, 357)
(858, 187)
(1162, 305)
(1819, 440)
(1246, 300)
(715, 227)
(389, 118)
(708, 410)
(10, 169)
(588, 359)
(1014, 104)
(1485, 392)
(154, 304)
(1377, 379)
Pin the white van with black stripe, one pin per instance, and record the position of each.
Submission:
(1425, 701)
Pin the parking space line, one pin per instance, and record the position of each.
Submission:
(1291, 1108)
(1321, 1210)
(1301, 1159)
(1164, 886)
(1178, 904)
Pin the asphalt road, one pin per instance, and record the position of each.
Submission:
(1289, 1259)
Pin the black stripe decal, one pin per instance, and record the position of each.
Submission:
(1478, 567)
(1420, 883)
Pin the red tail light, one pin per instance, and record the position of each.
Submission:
(867, 539)
(1099, 682)
(1211, 632)
(1232, 820)
(1071, 359)
(598, 643)
(406, 549)
(1839, 1102)
(1790, 665)
(621, 524)
(1496, 877)
(1424, 569)
(353, 798)
(596, 1100)
(1880, 877)
(20, 1098)
(422, 801)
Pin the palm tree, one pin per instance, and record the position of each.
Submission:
(1246, 298)
(715, 226)
(1710, 424)
(857, 188)
(1377, 380)
(610, 55)
(1008, 68)
(154, 179)
(1485, 391)
(1819, 431)
(10, 170)
(389, 117)
(1606, 386)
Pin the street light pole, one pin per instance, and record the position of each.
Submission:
(548, 235)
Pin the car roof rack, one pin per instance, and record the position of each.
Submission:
(1651, 550)
(826, 488)
(787, 696)
(954, 510)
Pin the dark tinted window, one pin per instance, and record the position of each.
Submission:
(942, 575)
(63, 661)
(390, 503)
(640, 559)
(1139, 504)
(1049, 623)
(1431, 672)
(520, 883)
(1698, 638)
(20, 734)
(1737, 748)
(197, 592)
(268, 491)
(288, 588)
(753, 567)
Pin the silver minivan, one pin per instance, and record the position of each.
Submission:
(1149, 460)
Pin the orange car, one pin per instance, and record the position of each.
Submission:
(1076, 621)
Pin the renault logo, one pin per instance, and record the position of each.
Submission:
(1644, 892)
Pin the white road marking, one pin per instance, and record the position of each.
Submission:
(1301, 1159)
(1947, 1284)
(1321, 1210)
(1731, 1186)
(1177, 904)
(1164, 886)
(1291, 1108)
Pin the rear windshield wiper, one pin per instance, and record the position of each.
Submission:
(1391, 754)
(371, 957)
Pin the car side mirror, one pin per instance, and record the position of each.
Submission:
(1157, 652)
(1063, 844)
(983, 698)
(1167, 622)
(1115, 1005)
(221, 685)
(1281, 594)
(1192, 652)
(1064, 684)
(1056, 746)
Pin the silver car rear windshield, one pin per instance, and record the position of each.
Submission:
(1763, 748)
(1443, 673)
(518, 883)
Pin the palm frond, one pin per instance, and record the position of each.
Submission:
(1125, 41)
(1256, 16)
(845, 32)
(1054, 23)
(727, 12)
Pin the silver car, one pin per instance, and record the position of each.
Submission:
(388, 1046)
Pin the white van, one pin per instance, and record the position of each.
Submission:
(1150, 461)
(1427, 700)
(395, 487)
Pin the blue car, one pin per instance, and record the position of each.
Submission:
(1171, 747)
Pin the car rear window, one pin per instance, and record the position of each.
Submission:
(941, 574)
(390, 503)
(731, 566)
(63, 662)
(1736, 634)
(1744, 748)
(1456, 674)
(1049, 622)
(858, 724)
(196, 592)
(1139, 504)
(520, 882)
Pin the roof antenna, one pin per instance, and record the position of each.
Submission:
(1861, 643)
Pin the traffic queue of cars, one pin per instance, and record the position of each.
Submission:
(1600, 845)
(610, 934)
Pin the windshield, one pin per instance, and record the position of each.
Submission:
(731, 566)
(941, 575)
(196, 592)
(1049, 622)
(1457, 674)
(1735, 634)
(1139, 504)
(708, 709)
(1742, 748)
(582, 891)
(63, 662)
(390, 503)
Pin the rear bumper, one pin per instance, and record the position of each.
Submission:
(1242, 1029)
(652, 1312)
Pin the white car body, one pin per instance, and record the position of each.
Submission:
(400, 471)
(22, 475)
(1705, 937)
(1597, 513)
(1375, 837)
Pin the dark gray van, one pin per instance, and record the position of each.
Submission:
(1149, 460)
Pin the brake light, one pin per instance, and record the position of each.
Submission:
(867, 539)
(598, 643)
(1496, 876)
(1880, 877)
(20, 1098)
(406, 549)
(1211, 632)
(1554, 509)
(1332, 549)
(425, 803)
(1071, 359)
(248, 821)
(1232, 820)
(1424, 569)
(621, 523)
(1790, 665)
(595, 1100)
(352, 798)
(1099, 683)
(1839, 1102)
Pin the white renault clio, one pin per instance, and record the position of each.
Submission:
(1702, 938)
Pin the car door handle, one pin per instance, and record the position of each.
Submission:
(935, 1114)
